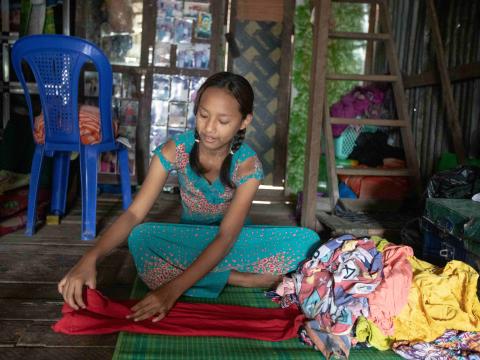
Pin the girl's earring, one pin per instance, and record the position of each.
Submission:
(197, 136)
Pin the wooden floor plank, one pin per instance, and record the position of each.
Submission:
(41, 334)
(280, 214)
(29, 353)
(35, 263)
(41, 250)
(20, 267)
(11, 331)
(16, 309)
(48, 233)
(29, 291)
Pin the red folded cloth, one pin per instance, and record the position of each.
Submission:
(104, 316)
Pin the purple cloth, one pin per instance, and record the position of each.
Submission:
(452, 345)
(362, 101)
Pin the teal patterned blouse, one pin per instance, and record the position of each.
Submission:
(204, 202)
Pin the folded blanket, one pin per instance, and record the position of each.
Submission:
(88, 121)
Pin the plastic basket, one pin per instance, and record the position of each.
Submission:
(345, 143)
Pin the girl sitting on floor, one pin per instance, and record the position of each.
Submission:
(213, 246)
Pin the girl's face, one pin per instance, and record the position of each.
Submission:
(219, 118)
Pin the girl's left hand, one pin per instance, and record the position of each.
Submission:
(157, 302)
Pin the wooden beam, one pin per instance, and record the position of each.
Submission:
(362, 77)
(372, 172)
(318, 86)
(358, 1)
(348, 35)
(260, 10)
(231, 28)
(447, 93)
(218, 9)
(376, 122)
(284, 87)
(428, 78)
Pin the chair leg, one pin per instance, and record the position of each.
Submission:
(124, 178)
(36, 171)
(88, 175)
(61, 169)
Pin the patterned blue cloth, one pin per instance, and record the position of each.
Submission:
(161, 252)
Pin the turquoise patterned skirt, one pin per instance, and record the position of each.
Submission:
(163, 251)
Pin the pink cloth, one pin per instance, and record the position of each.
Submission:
(391, 295)
(286, 287)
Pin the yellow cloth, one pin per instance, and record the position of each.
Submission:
(367, 331)
(380, 243)
(439, 299)
(10, 180)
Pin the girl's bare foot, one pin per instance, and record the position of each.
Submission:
(253, 280)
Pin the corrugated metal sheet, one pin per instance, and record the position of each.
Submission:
(460, 27)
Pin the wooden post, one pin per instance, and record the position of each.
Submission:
(447, 94)
(315, 111)
(284, 86)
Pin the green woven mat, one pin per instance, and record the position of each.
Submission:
(138, 346)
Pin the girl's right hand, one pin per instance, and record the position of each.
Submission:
(71, 286)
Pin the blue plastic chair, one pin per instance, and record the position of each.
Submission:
(56, 62)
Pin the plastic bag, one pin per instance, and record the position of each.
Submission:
(460, 183)
(411, 235)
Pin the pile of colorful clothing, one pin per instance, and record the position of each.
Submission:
(367, 291)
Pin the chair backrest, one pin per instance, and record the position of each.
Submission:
(56, 62)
